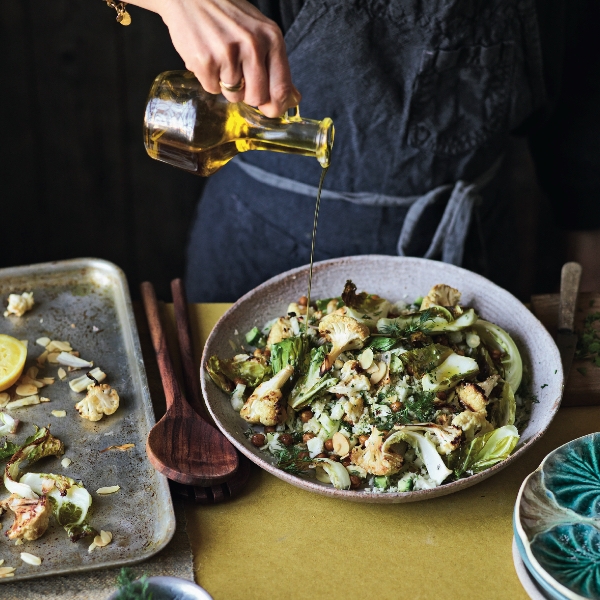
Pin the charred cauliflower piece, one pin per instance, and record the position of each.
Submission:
(280, 330)
(101, 400)
(31, 517)
(265, 405)
(471, 396)
(352, 383)
(472, 423)
(374, 459)
(441, 295)
(446, 438)
(344, 333)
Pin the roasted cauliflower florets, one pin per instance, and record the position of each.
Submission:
(441, 295)
(19, 304)
(447, 438)
(351, 382)
(31, 517)
(472, 423)
(373, 459)
(280, 330)
(265, 405)
(344, 333)
(471, 396)
(101, 400)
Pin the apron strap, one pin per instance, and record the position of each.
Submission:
(451, 233)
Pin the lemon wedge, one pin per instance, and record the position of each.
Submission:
(12, 360)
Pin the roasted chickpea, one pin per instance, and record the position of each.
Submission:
(307, 436)
(258, 440)
(328, 445)
(347, 461)
(306, 416)
(396, 406)
(362, 439)
(270, 429)
(303, 301)
(442, 395)
(354, 482)
(286, 439)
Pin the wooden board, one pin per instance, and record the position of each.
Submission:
(580, 389)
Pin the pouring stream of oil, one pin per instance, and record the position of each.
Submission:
(314, 237)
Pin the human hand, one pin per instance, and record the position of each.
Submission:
(225, 40)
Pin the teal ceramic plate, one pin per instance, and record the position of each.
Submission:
(557, 521)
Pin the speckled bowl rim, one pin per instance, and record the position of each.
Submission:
(534, 566)
(214, 395)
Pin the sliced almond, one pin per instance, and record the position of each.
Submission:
(1, 562)
(7, 571)
(380, 374)
(366, 358)
(65, 462)
(108, 490)
(19, 542)
(32, 372)
(58, 345)
(26, 390)
(62, 374)
(48, 380)
(37, 383)
(122, 447)
(4, 398)
(53, 358)
(31, 559)
(341, 445)
(92, 546)
(28, 401)
(42, 399)
(43, 357)
(59, 413)
(43, 341)
(106, 537)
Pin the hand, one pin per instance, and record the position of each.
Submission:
(584, 248)
(225, 40)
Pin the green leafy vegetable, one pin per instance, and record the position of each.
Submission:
(309, 385)
(502, 411)
(485, 451)
(418, 408)
(382, 344)
(420, 361)
(252, 371)
(322, 304)
(130, 589)
(292, 351)
(294, 460)
(365, 308)
(7, 450)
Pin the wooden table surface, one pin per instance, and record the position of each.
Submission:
(277, 541)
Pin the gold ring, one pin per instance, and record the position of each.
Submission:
(237, 87)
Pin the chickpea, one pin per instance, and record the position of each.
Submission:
(334, 457)
(442, 395)
(328, 445)
(267, 353)
(303, 301)
(347, 461)
(258, 440)
(354, 482)
(303, 455)
(306, 416)
(270, 429)
(286, 439)
(307, 436)
(322, 455)
(396, 406)
(362, 439)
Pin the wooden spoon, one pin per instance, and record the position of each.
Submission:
(191, 384)
(182, 445)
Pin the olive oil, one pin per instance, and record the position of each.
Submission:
(314, 237)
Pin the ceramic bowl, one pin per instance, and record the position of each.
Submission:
(170, 588)
(557, 521)
(394, 278)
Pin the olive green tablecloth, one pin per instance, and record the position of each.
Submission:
(277, 541)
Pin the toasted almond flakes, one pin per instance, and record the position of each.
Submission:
(122, 447)
(59, 413)
(53, 357)
(19, 542)
(62, 374)
(26, 390)
(42, 399)
(43, 341)
(1, 562)
(65, 462)
(4, 398)
(6, 570)
(31, 559)
(28, 401)
(106, 536)
(92, 546)
(32, 372)
(41, 359)
(48, 380)
(108, 490)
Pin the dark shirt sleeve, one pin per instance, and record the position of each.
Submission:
(566, 148)
(283, 12)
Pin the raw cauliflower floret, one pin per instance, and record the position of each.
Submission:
(265, 405)
(373, 459)
(441, 295)
(31, 517)
(344, 333)
(19, 304)
(100, 400)
(472, 423)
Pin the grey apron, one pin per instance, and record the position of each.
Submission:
(423, 95)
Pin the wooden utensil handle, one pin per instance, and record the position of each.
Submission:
(159, 341)
(191, 381)
(569, 290)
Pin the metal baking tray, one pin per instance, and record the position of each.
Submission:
(87, 303)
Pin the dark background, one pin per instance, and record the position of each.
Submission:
(76, 178)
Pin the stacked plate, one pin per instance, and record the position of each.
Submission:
(557, 523)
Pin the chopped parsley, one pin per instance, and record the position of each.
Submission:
(290, 461)
(420, 409)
